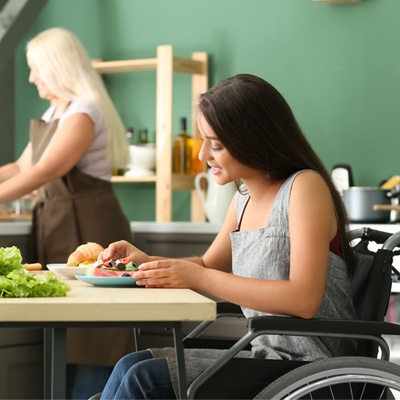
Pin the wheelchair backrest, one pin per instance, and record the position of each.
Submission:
(372, 280)
(371, 285)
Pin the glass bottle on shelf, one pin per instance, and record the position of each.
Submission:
(143, 137)
(182, 151)
(129, 135)
(130, 140)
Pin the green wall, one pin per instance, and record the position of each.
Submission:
(338, 65)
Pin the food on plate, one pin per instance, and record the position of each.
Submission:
(122, 267)
(85, 254)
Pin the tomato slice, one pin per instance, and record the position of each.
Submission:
(125, 260)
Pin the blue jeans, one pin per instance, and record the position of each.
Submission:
(85, 380)
(139, 376)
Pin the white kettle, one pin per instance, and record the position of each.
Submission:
(217, 198)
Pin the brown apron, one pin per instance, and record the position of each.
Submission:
(70, 211)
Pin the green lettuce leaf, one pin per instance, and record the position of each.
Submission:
(20, 283)
(10, 259)
(15, 281)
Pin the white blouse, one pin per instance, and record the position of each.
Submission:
(94, 162)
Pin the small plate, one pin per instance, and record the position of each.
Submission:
(112, 281)
(66, 272)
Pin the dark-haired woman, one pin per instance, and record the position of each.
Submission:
(283, 248)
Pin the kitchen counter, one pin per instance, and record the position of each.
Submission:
(176, 227)
(391, 228)
(172, 239)
(23, 227)
(15, 227)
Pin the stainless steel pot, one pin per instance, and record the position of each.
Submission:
(359, 202)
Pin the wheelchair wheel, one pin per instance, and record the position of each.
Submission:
(338, 378)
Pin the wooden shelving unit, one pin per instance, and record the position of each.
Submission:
(165, 65)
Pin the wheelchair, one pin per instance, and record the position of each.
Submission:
(368, 375)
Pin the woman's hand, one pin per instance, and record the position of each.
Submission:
(170, 273)
(122, 249)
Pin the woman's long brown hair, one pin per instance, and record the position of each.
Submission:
(256, 125)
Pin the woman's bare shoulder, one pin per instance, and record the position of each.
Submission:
(310, 190)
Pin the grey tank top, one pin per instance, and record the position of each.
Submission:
(265, 254)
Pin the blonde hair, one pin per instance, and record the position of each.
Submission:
(66, 69)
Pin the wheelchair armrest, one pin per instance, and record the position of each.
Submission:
(224, 309)
(293, 325)
(350, 329)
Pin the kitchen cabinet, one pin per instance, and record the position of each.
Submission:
(165, 65)
(21, 364)
(174, 245)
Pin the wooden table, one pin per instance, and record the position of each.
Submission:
(90, 306)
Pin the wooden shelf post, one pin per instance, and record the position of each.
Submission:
(199, 85)
(164, 133)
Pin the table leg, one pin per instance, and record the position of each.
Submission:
(55, 363)
(180, 360)
(47, 347)
(60, 363)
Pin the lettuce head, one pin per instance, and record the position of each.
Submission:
(15, 281)
(10, 259)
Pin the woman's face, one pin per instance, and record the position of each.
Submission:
(223, 166)
(34, 77)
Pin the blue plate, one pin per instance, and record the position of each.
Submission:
(112, 281)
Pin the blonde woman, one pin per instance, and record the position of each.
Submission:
(71, 152)
(69, 161)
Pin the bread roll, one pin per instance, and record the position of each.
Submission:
(33, 267)
(85, 254)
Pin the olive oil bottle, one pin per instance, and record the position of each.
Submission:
(182, 150)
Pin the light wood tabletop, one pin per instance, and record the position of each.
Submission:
(87, 305)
